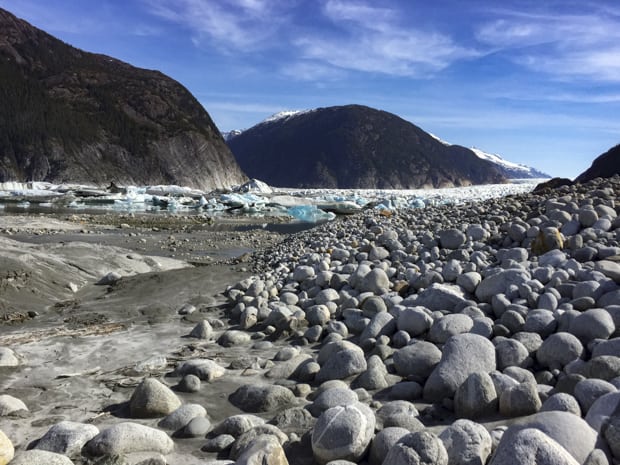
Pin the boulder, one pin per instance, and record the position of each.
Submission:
(562, 402)
(332, 397)
(10, 405)
(462, 355)
(236, 425)
(182, 416)
(383, 442)
(204, 369)
(40, 457)
(418, 359)
(441, 296)
(126, 437)
(476, 397)
(519, 400)
(467, 443)
(420, 448)
(67, 438)
(499, 282)
(558, 350)
(341, 364)
(202, 330)
(602, 409)
(414, 320)
(400, 413)
(530, 446)
(152, 399)
(261, 398)
(8, 358)
(375, 281)
(343, 433)
(264, 450)
(449, 325)
(588, 390)
(595, 323)
(7, 451)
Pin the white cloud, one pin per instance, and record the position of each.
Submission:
(567, 46)
(230, 24)
(371, 39)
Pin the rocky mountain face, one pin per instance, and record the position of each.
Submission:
(355, 147)
(604, 166)
(70, 115)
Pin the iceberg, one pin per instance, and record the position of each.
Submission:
(310, 214)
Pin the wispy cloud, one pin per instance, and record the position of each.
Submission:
(230, 24)
(371, 39)
(567, 46)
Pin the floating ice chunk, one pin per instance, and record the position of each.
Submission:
(254, 185)
(310, 214)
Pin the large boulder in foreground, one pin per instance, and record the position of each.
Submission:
(127, 437)
(153, 399)
(462, 355)
(343, 433)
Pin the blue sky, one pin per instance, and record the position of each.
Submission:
(536, 81)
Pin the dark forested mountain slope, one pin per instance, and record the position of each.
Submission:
(354, 146)
(70, 115)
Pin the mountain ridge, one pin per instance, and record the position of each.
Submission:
(507, 170)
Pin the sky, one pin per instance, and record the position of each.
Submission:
(537, 82)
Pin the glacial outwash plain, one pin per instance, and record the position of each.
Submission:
(333, 286)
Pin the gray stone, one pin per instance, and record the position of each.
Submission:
(233, 337)
(152, 399)
(318, 315)
(296, 420)
(343, 362)
(397, 413)
(469, 281)
(219, 443)
(499, 282)
(595, 323)
(519, 400)
(67, 438)
(467, 443)
(331, 398)
(568, 430)
(462, 355)
(451, 238)
(8, 358)
(602, 409)
(383, 442)
(376, 281)
(261, 398)
(476, 397)
(127, 437)
(205, 369)
(510, 352)
(375, 376)
(561, 402)
(610, 347)
(246, 440)
(418, 359)
(381, 324)
(189, 383)
(40, 457)
(609, 268)
(197, 427)
(303, 272)
(10, 405)
(236, 425)
(448, 326)
(264, 450)
(558, 350)
(588, 390)
(541, 322)
(343, 433)
(420, 448)
(182, 416)
(441, 296)
(414, 320)
(528, 446)
(202, 330)
(606, 367)
(612, 435)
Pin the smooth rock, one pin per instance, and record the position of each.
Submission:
(182, 416)
(236, 425)
(67, 438)
(204, 369)
(476, 397)
(414, 320)
(7, 451)
(343, 433)
(588, 391)
(448, 326)
(202, 330)
(8, 358)
(264, 450)
(529, 446)
(561, 402)
(152, 399)
(467, 443)
(519, 400)
(261, 398)
(462, 355)
(40, 457)
(126, 437)
(10, 405)
(383, 442)
(558, 350)
(418, 359)
(420, 448)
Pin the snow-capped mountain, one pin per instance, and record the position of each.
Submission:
(510, 169)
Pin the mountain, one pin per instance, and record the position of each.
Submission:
(354, 146)
(70, 115)
(604, 166)
(509, 169)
